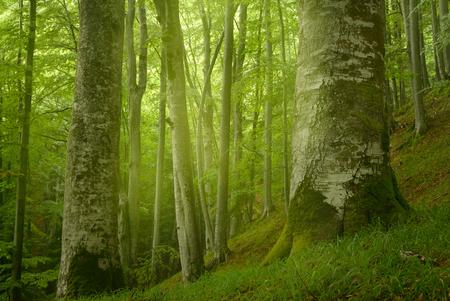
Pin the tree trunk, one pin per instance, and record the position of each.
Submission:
(443, 13)
(221, 230)
(201, 147)
(438, 53)
(187, 229)
(22, 179)
(236, 211)
(90, 260)
(341, 178)
(416, 66)
(423, 59)
(268, 82)
(285, 120)
(161, 145)
(136, 91)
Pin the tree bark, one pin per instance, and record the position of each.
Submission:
(236, 211)
(22, 179)
(417, 70)
(268, 81)
(341, 178)
(161, 135)
(202, 148)
(187, 228)
(285, 118)
(90, 260)
(136, 90)
(221, 230)
(443, 14)
(439, 54)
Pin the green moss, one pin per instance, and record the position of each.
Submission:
(86, 277)
(368, 121)
(378, 199)
(310, 219)
(282, 247)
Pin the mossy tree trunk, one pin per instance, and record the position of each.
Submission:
(89, 257)
(22, 179)
(341, 178)
(187, 229)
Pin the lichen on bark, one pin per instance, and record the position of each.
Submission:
(341, 178)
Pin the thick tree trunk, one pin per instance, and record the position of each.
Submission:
(268, 82)
(89, 257)
(341, 178)
(221, 230)
(443, 14)
(22, 179)
(417, 70)
(136, 89)
(187, 228)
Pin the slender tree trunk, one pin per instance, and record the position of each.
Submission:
(161, 146)
(221, 230)
(187, 228)
(236, 211)
(22, 179)
(416, 65)
(136, 90)
(201, 147)
(395, 92)
(268, 205)
(252, 167)
(402, 95)
(160, 155)
(423, 59)
(443, 14)
(285, 120)
(2, 189)
(341, 178)
(438, 53)
(90, 260)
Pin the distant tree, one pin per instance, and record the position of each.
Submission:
(417, 69)
(268, 99)
(137, 84)
(187, 228)
(90, 259)
(341, 178)
(443, 15)
(24, 156)
(221, 230)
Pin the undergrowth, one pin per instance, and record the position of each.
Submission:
(410, 261)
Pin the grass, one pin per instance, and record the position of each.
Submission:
(410, 261)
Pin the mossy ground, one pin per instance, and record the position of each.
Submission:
(408, 262)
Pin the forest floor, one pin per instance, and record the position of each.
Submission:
(410, 261)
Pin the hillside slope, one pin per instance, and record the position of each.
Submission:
(408, 262)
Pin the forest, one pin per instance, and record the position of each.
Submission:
(224, 150)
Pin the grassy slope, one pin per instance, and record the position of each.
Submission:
(374, 265)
